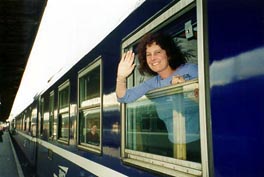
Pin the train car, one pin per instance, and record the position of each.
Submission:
(24, 131)
(77, 128)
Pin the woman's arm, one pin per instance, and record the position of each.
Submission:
(125, 68)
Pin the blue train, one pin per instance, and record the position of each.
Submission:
(226, 40)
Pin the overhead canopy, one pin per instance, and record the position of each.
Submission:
(19, 21)
(68, 30)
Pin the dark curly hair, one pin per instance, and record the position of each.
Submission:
(175, 56)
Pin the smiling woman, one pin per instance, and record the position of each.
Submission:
(158, 56)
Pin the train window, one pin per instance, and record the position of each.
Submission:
(64, 112)
(90, 99)
(29, 120)
(51, 114)
(40, 122)
(28, 124)
(45, 130)
(24, 123)
(34, 122)
(18, 123)
(162, 128)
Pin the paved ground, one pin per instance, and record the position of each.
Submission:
(8, 167)
(12, 161)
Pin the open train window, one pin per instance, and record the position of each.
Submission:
(90, 109)
(64, 112)
(162, 128)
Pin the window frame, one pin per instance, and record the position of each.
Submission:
(156, 162)
(98, 62)
(64, 110)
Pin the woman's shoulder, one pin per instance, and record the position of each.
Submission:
(187, 67)
(188, 70)
(190, 65)
(151, 83)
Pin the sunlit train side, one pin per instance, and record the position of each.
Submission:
(219, 134)
(24, 129)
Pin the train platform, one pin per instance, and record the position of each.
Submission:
(13, 162)
(10, 165)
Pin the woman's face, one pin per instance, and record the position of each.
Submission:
(157, 60)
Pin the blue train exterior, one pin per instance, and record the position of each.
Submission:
(236, 47)
(228, 43)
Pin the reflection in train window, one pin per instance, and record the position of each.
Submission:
(28, 123)
(51, 114)
(63, 118)
(166, 122)
(41, 117)
(89, 121)
(162, 128)
(90, 107)
(25, 123)
(34, 122)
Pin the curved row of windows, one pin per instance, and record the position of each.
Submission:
(56, 120)
(60, 124)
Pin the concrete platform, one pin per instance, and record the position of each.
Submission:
(9, 164)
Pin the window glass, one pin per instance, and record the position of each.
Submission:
(51, 114)
(64, 98)
(90, 107)
(90, 126)
(166, 122)
(63, 117)
(30, 119)
(41, 117)
(64, 125)
(25, 123)
(45, 126)
(90, 87)
(28, 124)
(34, 122)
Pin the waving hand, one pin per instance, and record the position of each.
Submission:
(125, 68)
(126, 65)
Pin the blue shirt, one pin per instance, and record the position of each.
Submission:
(165, 105)
(188, 71)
